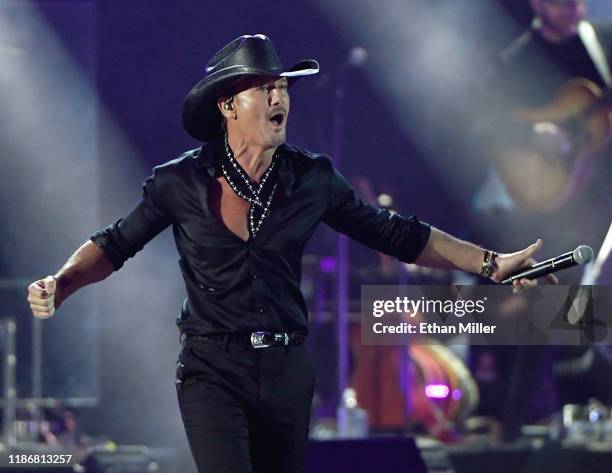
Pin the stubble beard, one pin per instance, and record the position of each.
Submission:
(278, 139)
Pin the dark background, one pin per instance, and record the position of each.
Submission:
(138, 60)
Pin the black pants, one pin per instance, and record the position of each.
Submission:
(244, 409)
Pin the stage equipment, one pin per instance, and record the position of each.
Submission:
(389, 455)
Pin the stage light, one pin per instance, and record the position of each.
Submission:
(437, 391)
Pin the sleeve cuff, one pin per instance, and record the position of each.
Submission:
(104, 240)
(420, 233)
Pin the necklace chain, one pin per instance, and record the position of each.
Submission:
(251, 194)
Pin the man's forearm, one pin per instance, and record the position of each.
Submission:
(89, 264)
(447, 252)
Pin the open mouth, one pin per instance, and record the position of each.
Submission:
(277, 119)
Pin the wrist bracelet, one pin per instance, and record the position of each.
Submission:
(488, 264)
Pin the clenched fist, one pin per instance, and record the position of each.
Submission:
(41, 296)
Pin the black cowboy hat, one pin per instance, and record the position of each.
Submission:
(249, 55)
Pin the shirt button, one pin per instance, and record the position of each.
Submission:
(261, 309)
(254, 276)
(201, 286)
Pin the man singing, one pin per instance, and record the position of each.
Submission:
(242, 207)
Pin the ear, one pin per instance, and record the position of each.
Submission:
(222, 105)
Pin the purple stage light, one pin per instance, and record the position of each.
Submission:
(437, 391)
(328, 264)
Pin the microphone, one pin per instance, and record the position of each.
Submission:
(581, 255)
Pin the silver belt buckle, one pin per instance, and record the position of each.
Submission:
(282, 338)
(258, 340)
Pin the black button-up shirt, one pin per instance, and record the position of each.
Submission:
(242, 286)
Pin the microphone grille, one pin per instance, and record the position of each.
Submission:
(583, 254)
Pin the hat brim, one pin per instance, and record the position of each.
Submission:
(201, 117)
